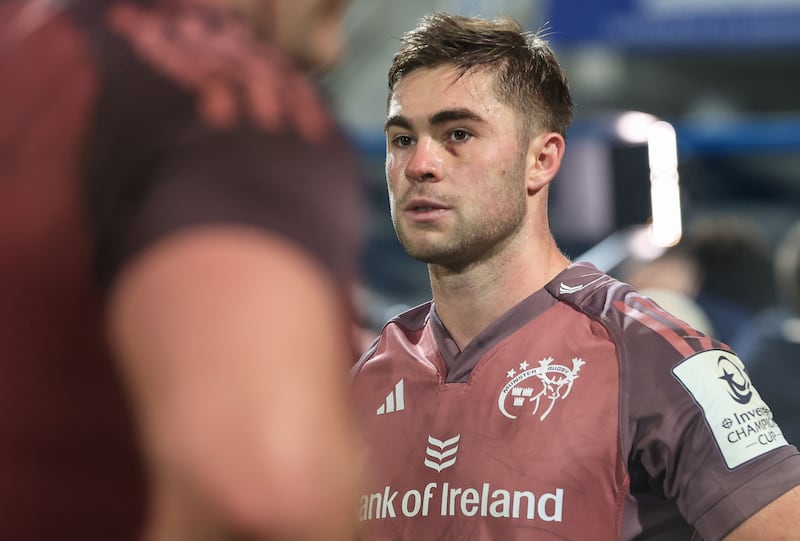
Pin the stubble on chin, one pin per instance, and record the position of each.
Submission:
(429, 248)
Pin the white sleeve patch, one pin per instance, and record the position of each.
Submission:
(741, 422)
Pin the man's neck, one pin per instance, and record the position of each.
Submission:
(470, 299)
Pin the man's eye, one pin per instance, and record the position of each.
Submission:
(403, 141)
(460, 135)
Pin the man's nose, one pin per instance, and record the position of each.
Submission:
(425, 164)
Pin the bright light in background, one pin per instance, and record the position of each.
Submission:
(641, 246)
(632, 126)
(662, 149)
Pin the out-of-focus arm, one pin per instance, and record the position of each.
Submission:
(778, 521)
(234, 345)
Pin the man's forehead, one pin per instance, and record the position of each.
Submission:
(425, 91)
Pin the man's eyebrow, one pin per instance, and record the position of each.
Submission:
(449, 115)
(397, 121)
(442, 117)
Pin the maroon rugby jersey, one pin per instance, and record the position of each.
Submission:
(585, 412)
(106, 147)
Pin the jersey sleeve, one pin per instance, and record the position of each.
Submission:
(156, 164)
(696, 430)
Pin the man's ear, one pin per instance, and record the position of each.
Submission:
(544, 159)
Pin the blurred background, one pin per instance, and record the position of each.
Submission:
(724, 73)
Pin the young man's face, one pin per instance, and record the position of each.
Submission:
(454, 166)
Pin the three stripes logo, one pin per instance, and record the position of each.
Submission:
(395, 401)
(439, 454)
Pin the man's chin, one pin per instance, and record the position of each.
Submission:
(434, 256)
(425, 255)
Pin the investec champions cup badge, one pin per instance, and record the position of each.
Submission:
(542, 385)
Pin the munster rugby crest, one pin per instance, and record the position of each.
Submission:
(537, 388)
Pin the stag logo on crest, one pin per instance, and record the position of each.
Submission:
(552, 382)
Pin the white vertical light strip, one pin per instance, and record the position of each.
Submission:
(632, 126)
(662, 148)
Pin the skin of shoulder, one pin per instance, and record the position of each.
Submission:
(211, 326)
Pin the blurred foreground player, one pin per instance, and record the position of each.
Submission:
(535, 398)
(178, 213)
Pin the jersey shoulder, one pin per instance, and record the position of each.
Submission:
(627, 314)
(406, 327)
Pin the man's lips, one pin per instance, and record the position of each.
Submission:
(422, 210)
(422, 205)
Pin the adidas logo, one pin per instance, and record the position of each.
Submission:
(394, 400)
(440, 458)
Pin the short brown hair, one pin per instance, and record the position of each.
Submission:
(529, 78)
